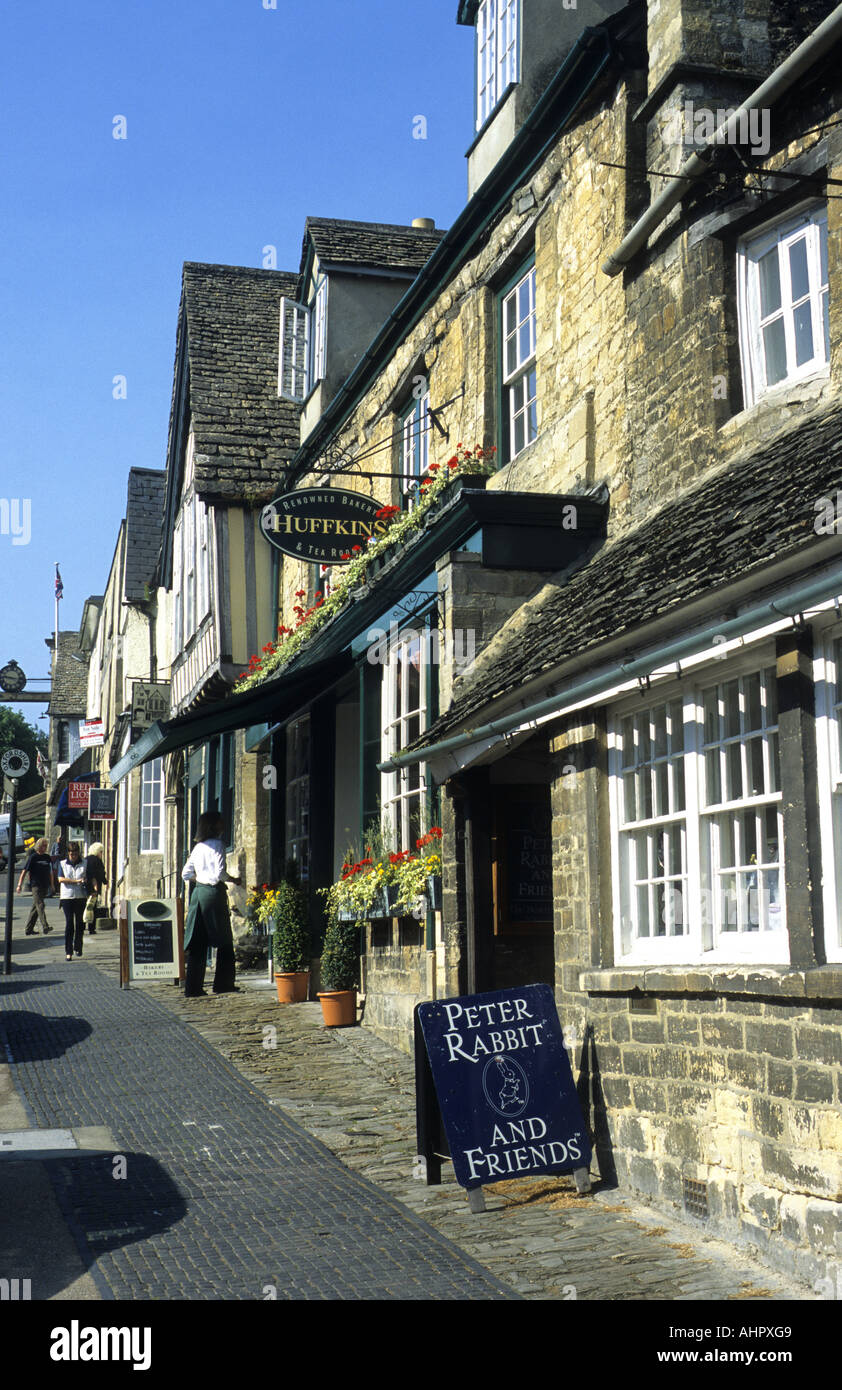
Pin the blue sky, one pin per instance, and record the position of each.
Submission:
(240, 122)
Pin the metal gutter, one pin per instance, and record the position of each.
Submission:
(457, 243)
(797, 600)
(785, 76)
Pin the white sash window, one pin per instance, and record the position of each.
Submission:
(784, 303)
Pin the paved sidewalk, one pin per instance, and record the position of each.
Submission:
(355, 1095)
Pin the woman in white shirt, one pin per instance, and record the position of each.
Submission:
(72, 897)
(208, 918)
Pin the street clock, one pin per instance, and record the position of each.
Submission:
(12, 678)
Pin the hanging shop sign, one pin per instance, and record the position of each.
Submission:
(504, 1085)
(77, 795)
(322, 524)
(91, 733)
(102, 804)
(150, 702)
(15, 763)
(152, 939)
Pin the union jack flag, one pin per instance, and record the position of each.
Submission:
(59, 585)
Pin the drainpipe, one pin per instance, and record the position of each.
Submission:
(803, 57)
(797, 601)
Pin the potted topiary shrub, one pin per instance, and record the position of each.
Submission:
(340, 973)
(291, 938)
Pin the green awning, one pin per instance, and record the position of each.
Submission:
(271, 703)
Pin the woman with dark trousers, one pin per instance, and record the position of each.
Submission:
(72, 897)
(208, 918)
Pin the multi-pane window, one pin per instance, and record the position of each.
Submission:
(415, 445)
(653, 840)
(404, 719)
(742, 819)
(497, 53)
(302, 349)
(520, 409)
(191, 570)
(699, 824)
(298, 794)
(829, 734)
(784, 303)
(151, 806)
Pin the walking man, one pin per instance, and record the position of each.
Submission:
(39, 866)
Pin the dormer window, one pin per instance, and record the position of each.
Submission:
(497, 53)
(302, 345)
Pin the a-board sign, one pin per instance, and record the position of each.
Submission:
(77, 795)
(102, 804)
(153, 951)
(504, 1085)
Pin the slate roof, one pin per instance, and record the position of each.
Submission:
(144, 510)
(245, 433)
(69, 693)
(372, 245)
(757, 509)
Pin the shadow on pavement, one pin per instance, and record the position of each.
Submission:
(32, 1037)
(104, 1200)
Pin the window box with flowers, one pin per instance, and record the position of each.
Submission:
(359, 561)
(392, 885)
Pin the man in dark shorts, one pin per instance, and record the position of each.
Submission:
(39, 866)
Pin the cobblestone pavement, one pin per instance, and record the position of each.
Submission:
(355, 1094)
(214, 1194)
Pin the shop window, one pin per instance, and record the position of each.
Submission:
(404, 713)
(298, 795)
(518, 368)
(783, 299)
(698, 824)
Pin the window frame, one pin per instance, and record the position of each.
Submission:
(782, 234)
(511, 381)
(703, 941)
(827, 674)
(415, 434)
(397, 793)
(498, 48)
(148, 804)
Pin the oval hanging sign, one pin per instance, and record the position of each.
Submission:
(321, 524)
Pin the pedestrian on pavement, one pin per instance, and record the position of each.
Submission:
(57, 852)
(95, 882)
(72, 897)
(208, 918)
(39, 866)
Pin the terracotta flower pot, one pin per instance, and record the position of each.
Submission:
(292, 986)
(339, 1007)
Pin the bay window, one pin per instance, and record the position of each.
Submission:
(697, 818)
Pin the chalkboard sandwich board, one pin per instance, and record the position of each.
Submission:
(153, 946)
(505, 1087)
